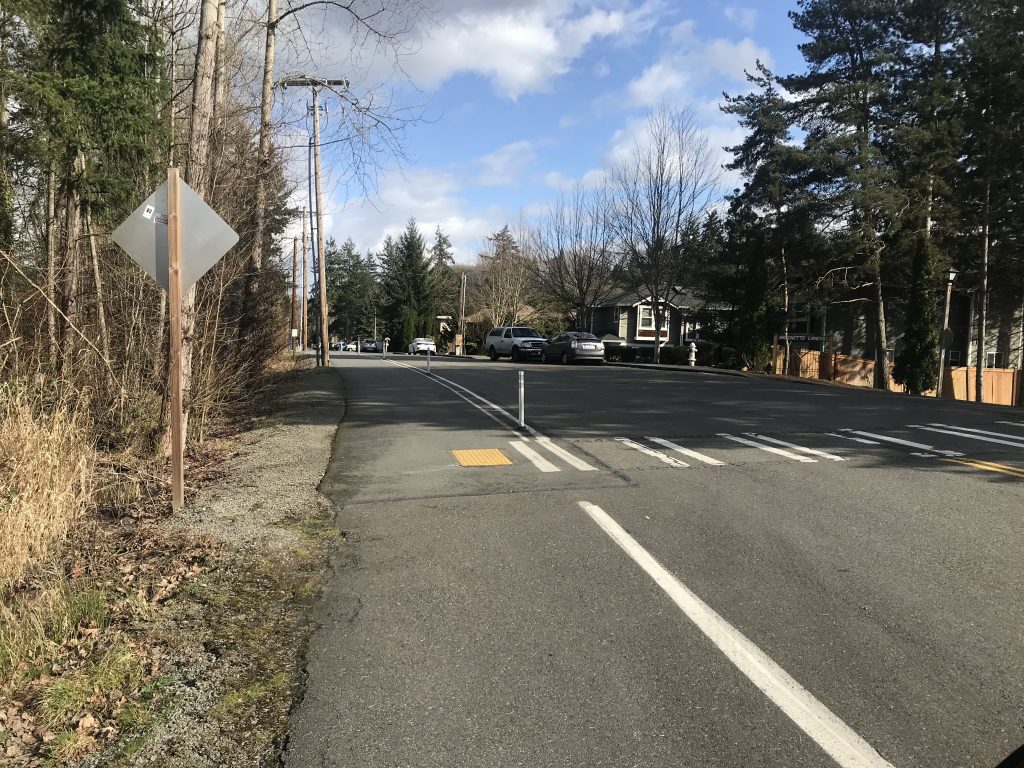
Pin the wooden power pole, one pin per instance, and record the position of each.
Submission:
(174, 301)
(305, 287)
(293, 329)
(316, 84)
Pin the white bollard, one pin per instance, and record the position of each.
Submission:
(522, 401)
(428, 361)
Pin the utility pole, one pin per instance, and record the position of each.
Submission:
(305, 287)
(316, 84)
(292, 329)
(462, 316)
(325, 343)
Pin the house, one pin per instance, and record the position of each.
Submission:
(627, 317)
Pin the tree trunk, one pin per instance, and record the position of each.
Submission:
(882, 349)
(785, 312)
(979, 369)
(101, 312)
(197, 174)
(51, 264)
(72, 262)
(263, 155)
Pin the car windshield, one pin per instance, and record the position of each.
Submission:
(587, 336)
(521, 333)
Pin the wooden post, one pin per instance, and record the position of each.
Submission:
(174, 297)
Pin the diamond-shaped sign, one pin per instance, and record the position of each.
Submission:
(205, 237)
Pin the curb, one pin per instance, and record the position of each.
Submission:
(682, 368)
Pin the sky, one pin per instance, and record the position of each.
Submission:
(517, 100)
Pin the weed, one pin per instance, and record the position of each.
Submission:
(62, 699)
(120, 669)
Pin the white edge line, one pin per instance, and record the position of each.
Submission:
(687, 451)
(538, 461)
(794, 446)
(768, 448)
(836, 738)
(652, 453)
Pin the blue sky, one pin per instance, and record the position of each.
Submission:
(522, 98)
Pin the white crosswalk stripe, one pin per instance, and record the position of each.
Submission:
(1018, 438)
(768, 448)
(687, 451)
(794, 446)
(967, 435)
(564, 455)
(652, 453)
(535, 458)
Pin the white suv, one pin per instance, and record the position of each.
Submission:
(516, 341)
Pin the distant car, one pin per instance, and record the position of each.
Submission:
(335, 345)
(422, 346)
(573, 346)
(370, 345)
(516, 341)
(349, 346)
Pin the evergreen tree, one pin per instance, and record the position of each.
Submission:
(842, 102)
(917, 364)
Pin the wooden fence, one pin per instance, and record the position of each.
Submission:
(1003, 386)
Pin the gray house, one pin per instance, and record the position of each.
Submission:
(628, 318)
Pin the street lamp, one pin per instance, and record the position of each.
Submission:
(951, 274)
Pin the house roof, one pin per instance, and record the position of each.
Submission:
(677, 297)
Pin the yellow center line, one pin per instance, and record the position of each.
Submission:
(990, 466)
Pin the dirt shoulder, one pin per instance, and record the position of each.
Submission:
(232, 638)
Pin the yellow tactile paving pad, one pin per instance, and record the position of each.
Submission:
(484, 457)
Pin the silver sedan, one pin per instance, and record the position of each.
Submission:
(573, 346)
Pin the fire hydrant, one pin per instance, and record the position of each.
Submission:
(692, 360)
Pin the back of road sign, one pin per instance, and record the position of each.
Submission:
(205, 237)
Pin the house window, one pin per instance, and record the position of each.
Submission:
(996, 360)
(954, 357)
(647, 319)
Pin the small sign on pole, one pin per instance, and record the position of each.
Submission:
(175, 237)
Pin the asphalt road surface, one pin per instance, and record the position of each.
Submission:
(665, 569)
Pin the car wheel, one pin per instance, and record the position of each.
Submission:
(493, 354)
(515, 354)
(565, 358)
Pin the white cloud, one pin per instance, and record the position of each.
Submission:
(602, 70)
(558, 180)
(659, 81)
(505, 165)
(520, 49)
(744, 18)
(684, 32)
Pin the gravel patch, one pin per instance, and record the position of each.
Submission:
(234, 641)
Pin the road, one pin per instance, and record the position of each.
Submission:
(672, 569)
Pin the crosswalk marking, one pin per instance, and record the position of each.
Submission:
(687, 452)
(768, 448)
(898, 441)
(564, 455)
(794, 446)
(967, 435)
(652, 453)
(862, 440)
(1012, 423)
(538, 461)
(1018, 438)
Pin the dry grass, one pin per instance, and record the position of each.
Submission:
(46, 466)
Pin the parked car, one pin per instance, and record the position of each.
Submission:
(349, 346)
(335, 345)
(422, 346)
(571, 346)
(370, 345)
(516, 341)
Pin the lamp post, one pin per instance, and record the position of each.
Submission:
(951, 274)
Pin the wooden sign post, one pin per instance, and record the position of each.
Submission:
(175, 256)
(174, 300)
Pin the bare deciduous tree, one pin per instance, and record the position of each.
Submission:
(662, 184)
(506, 275)
(577, 261)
